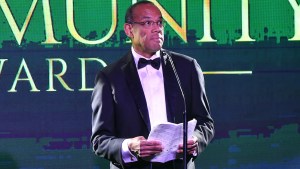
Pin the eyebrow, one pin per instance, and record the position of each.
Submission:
(148, 17)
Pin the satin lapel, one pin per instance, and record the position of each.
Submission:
(172, 90)
(136, 89)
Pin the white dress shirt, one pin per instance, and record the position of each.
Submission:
(152, 81)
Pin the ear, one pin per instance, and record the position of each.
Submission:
(128, 30)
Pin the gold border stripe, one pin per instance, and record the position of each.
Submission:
(227, 72)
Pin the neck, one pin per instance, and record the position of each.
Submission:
(144, 53)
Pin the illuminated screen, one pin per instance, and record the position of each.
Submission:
(51, 51)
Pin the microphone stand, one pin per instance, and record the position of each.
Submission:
(185, 126)
(185, 129)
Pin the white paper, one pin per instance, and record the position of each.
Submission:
(170, 135)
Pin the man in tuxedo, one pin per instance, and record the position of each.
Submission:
(141, 90)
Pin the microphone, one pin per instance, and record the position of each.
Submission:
(185, 127)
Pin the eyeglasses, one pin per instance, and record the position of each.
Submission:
(149, 24)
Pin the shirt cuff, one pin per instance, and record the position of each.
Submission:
(127, 156)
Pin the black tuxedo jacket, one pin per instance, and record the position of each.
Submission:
(120, 109)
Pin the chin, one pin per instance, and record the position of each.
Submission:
(157, 47)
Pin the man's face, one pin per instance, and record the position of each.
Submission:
(146, 40)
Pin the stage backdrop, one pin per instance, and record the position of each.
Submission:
(51, 51)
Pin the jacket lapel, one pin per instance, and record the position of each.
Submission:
(134, 84)
(172, 91)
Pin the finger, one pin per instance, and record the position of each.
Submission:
(190, 148)
(148, 153)
(190, 151)
(151, 149)
(189, 142)
(151, 144)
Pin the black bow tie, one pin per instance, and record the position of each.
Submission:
(155, 63)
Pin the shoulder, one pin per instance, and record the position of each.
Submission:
(117, 65)
(179, 57)
(115, 69)
(184, 62)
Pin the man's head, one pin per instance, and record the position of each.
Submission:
(144, 26)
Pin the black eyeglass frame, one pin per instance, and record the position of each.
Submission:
(148, 24)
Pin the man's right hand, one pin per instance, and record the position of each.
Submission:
(143, 148)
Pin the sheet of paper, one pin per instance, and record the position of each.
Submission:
(170, 135)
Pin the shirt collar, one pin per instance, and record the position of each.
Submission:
(137, 56)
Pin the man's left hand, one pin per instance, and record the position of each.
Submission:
(191, 146)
